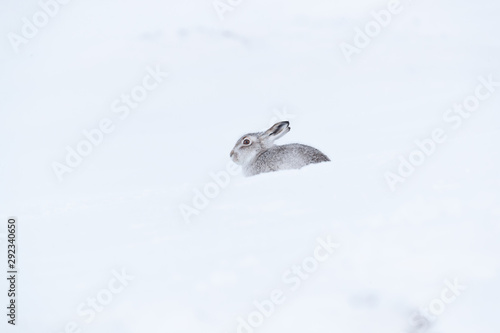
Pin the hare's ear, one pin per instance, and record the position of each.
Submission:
(277, 131)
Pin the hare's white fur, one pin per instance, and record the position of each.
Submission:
(257, 153)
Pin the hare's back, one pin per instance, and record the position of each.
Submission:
(291, 156)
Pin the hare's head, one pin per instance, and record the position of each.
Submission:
(250, 145)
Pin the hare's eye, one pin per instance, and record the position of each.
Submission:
(246, 142)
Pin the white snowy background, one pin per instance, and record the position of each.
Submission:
(120, 208)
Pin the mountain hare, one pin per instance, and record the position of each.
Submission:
(257, 153)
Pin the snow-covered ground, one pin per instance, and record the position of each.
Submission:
(121, 211)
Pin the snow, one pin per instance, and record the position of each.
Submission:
(121, 207)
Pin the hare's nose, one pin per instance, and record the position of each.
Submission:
(231, 154)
